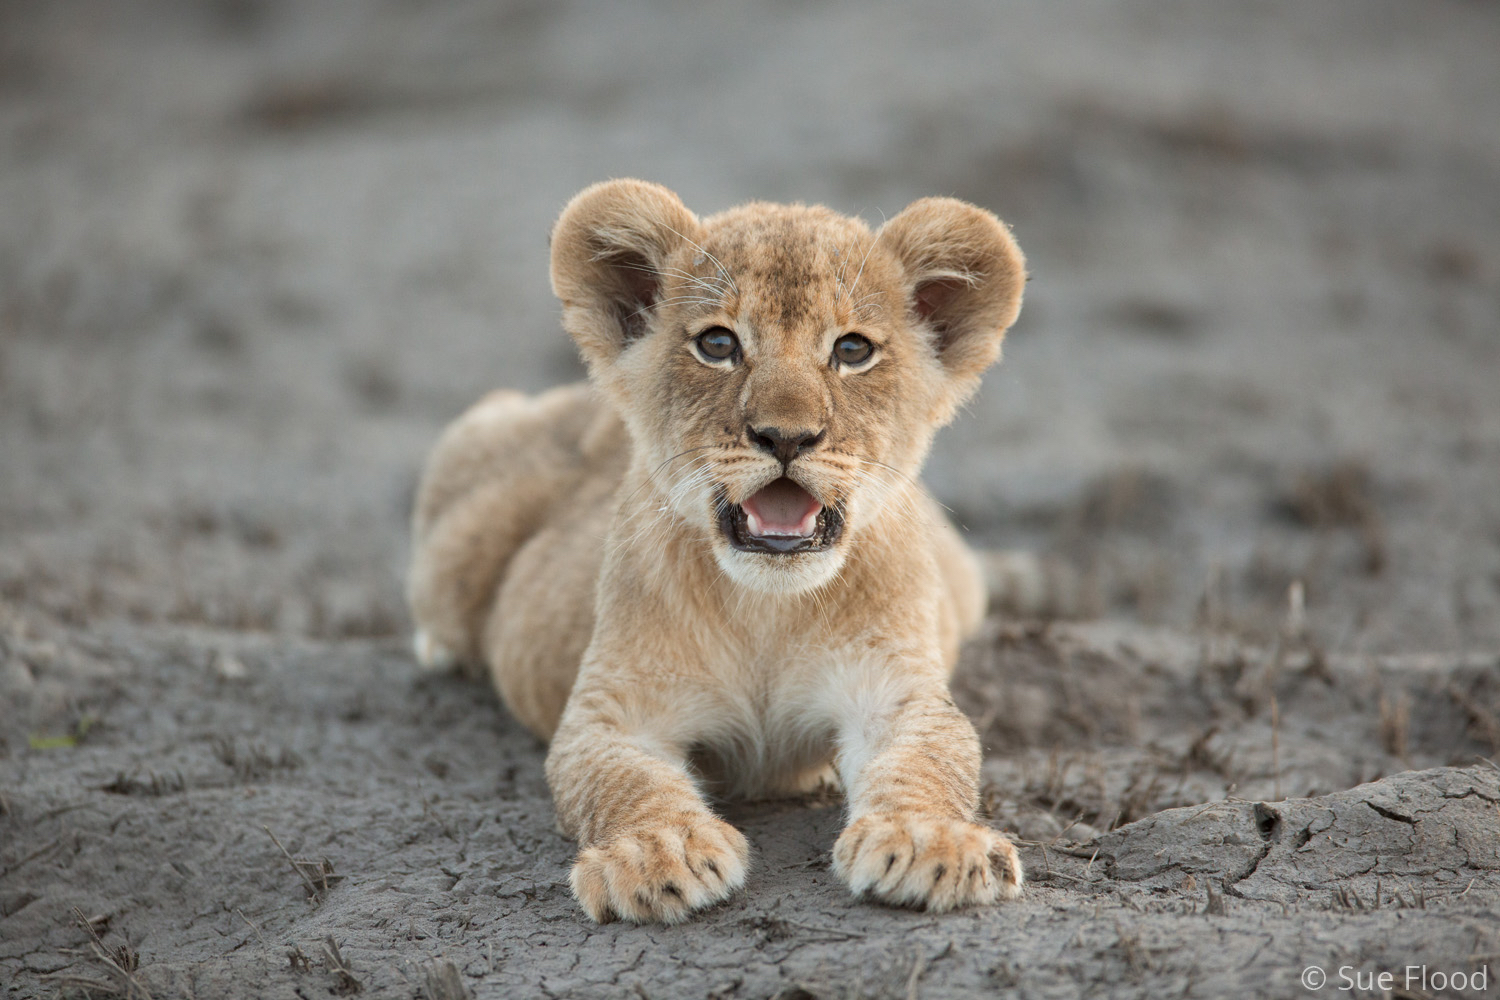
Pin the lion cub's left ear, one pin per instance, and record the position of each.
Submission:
(965, 276)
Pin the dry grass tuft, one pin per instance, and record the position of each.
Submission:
(1341, 495)
(345, 982)
(121, 963)
(317, 876)
(253, 762)
(1395, 724)
(441, 981)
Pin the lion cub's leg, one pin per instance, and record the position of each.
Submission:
(960, 614)
(455, 564)
(490, 482)
(650, 849)
(912, 775)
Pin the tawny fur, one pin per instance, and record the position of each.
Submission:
(571, 543)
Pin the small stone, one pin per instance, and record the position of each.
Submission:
(1038, 827)
(47, 962)
(230, 667)
(1080, 833)
(16, 678)
(40, 654)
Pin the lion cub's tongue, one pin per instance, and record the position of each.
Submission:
(782, 509)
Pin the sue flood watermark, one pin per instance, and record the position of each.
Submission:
(1412, 978)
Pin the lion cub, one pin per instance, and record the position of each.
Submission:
(712, 568)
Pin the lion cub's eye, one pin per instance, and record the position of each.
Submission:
(718, 344)
(852, 349)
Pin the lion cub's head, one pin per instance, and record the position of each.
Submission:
(781, 368)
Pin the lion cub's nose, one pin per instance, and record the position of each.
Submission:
(785, 445)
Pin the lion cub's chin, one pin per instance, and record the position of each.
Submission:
(765, 573)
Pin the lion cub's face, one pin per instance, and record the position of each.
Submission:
(781, 368)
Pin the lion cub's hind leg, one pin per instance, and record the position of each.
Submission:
(489, 483)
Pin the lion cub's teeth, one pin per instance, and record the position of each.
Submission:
(754, 523)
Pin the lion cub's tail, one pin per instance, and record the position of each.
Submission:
(1031, 586)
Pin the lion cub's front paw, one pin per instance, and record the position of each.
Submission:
(661, 872)
(932, 862)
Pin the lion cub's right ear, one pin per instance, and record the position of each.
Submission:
(608, 250)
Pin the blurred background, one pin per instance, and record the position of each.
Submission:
(254, 255)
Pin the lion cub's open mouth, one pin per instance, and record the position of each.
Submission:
(781, 519)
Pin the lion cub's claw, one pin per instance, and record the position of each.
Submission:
(929, 862)
(661, 873)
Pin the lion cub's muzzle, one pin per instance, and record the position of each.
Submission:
(780, 519)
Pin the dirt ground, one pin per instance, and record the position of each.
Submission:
(253, 255)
